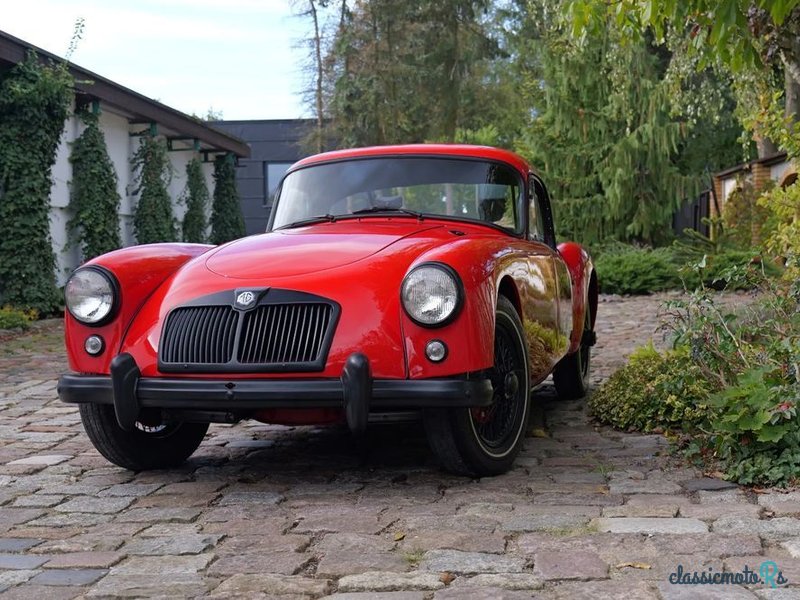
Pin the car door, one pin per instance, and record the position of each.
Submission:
(548, 314)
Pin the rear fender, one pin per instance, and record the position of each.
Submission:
(139, 270)
(584, 288)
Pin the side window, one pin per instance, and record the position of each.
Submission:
(273, 172)
(535, 221)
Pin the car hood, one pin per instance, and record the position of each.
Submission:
(311, 249)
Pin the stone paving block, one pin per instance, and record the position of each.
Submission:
(781, 593)
(28, 591)
(711, 512)
(22, 561)
(707, 484)
(70, 577)
(71, 519)
(792, 546)
(506, 581)
(493, 543)
(164, 565)
(455, 561)
(525, 523)
(772, 529)
(131, 490)
(266, 586)
(669, 591)
(644, 486)
(190, 543)
(153, 585)
(481, 593)
(263, 498)
(37, 501)
(18, 544)
(648, 525)
(85, 560)
(634, 510)
(152, 515)
(569, 565)
(43, 459)
(721, 496)
(10, 517)
(376, 596)
(624, 589)
(567, 498)
(88, 504)
(15, 577)
(382, 581)
(790, 567)
(278, 562)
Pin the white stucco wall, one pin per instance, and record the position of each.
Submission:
(121, 147)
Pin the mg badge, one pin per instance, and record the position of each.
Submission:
(245, 299)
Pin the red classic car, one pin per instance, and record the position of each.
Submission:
(420, 279)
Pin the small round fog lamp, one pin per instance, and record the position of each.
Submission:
(436, 351)
(93, 345)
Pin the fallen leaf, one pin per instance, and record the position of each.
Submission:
(398, 536)
(633, 565)
(446, 578)
(538, 432)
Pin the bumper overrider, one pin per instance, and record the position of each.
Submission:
(355, 391)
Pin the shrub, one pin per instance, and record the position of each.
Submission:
(630, 270)
(227, 222)
(731, 383)
(94, 198)
(654, 392)
(14, 318)
(153, 220)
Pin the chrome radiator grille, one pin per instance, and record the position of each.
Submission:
(272, 336)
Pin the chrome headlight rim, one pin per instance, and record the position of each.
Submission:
(115, 296)
(459, 294)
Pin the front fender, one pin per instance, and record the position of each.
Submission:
(139, 270)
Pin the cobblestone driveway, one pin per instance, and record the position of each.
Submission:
(276, 512)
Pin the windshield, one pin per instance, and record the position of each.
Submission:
(457, 188)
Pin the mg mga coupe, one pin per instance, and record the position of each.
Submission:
(420, 280)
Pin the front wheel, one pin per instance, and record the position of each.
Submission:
(485, 441)
(153, 444)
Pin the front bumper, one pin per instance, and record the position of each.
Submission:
(355, 392)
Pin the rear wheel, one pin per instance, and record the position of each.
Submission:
(485, 441)
(154, 444)
(571, 375)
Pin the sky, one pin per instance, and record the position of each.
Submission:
(243, 58)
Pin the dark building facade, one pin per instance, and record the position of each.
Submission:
(274, 146)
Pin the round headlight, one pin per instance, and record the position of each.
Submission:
(89, 295)
(431, 294)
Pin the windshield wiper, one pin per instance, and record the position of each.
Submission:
(380, 209)
(309, 221)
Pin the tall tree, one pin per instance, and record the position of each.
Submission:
(743, 35)
(409, 71)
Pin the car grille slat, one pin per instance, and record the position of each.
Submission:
(271, 336)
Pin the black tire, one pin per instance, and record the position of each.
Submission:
(485, 442)
(571, 375)
(149, 446)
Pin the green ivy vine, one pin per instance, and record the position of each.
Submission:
(94, 198)
(34, 104)
(227, 222)
(196, 197)
(153, 220)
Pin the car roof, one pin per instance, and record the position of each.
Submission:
(450, 150)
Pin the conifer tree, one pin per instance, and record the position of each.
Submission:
(153, 220)
(227, 222)
(195, 222)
